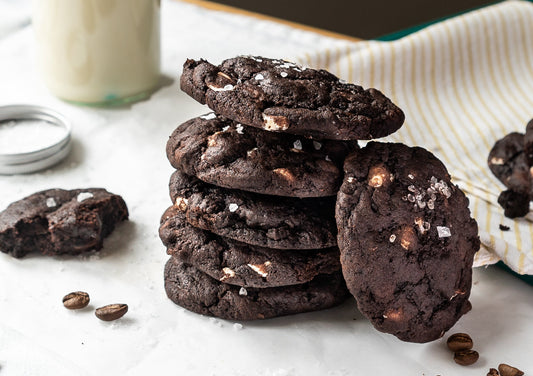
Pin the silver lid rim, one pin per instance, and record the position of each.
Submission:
(24, 111)
(40, 164)
(15, 163)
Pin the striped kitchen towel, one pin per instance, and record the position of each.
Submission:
(463, 84)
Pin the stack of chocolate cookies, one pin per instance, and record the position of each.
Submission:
(267, 184)
(252, 230)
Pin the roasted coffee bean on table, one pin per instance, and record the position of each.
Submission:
(111, 312)
(466, 357)
(76, 300)
(507, 370)
(460, 341)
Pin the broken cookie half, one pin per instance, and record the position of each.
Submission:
(60, 222)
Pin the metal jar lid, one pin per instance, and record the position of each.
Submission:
(31, 158)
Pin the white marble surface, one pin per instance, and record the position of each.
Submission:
(123, 151)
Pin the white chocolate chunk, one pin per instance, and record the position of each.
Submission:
(84, 196)
(51, 202)
(275, 123)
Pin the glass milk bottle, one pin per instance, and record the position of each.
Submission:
(98, 52)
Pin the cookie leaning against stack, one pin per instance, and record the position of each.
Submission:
(407, 241)
(252, 231)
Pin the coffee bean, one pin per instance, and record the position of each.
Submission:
(507, 370)
(493, 372)
(466, 357)
(76, 300)
(111, 312)
(460, 341)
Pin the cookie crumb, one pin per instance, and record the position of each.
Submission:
(504, 228)
(514, 204)
(216, 322)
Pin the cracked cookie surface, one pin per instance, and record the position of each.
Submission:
(57, 221)
(197, 292)
(407, 241)
(281, 96)
(266, 221)
(237, 263)
(227, 154)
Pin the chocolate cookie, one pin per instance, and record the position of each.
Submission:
(266, 221)
(197, 292)
(56, 221)
(280, 96)
(407, 241)
(514, 204)
(222, 152)
(508, 162)
(237, 263)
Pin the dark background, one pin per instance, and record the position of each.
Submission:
(364, 19)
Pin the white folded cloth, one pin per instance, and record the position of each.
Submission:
(463, 84)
